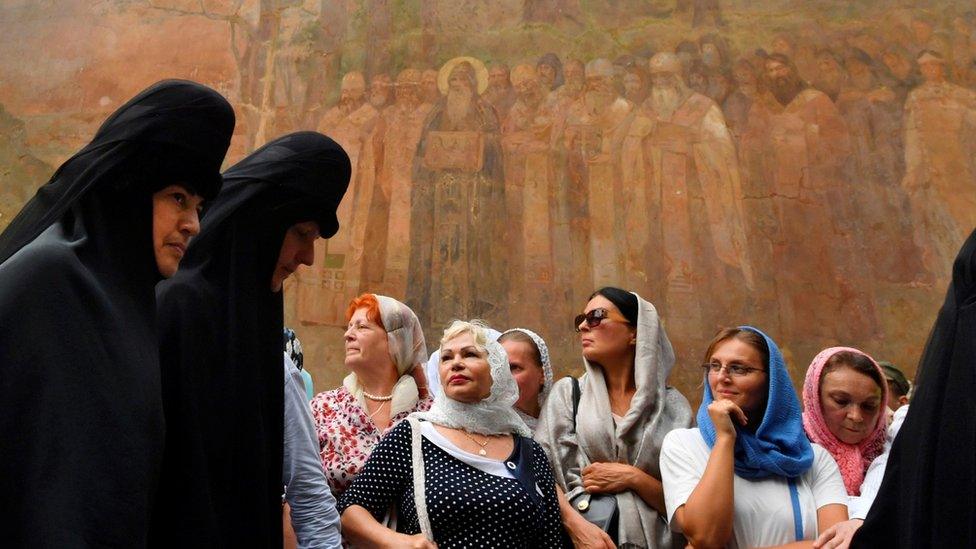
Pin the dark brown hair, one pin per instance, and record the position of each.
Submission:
(855, 361)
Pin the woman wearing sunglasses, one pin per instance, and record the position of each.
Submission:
(748, 476)
(608, 444)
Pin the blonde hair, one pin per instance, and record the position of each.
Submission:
(477, 328)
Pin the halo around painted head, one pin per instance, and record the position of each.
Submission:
(480, 73)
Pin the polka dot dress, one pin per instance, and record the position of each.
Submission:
(467, 507)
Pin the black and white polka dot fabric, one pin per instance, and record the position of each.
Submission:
(467, 507)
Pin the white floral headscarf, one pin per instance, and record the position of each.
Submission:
(495, 415)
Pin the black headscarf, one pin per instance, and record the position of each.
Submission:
(81, 420)
(220, 347)
(928, 496)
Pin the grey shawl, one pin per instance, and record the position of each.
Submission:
(654, 410)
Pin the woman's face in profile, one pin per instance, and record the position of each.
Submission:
(464, 370)
(176, 219)
(366, 343)
(611, 339)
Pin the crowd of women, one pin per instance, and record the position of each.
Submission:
(142, 401)
(614, 461)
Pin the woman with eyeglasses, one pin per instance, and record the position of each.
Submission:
(747, 476)
(605, 444)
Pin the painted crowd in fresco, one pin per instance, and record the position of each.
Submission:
(804, 166)
(778, 184)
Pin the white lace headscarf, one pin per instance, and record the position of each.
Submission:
(546, 372)
(495, 415)
(405, 338)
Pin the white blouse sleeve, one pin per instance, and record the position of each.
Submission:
(681, 470)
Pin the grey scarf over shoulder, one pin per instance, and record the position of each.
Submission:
(654, 410)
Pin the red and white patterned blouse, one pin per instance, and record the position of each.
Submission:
(347, 435)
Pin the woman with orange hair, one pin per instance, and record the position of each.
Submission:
(384, 342)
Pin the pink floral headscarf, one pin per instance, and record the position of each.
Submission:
(853, 460)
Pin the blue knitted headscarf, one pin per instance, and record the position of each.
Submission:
(779, 447)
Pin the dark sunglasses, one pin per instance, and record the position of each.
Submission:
(595, 317)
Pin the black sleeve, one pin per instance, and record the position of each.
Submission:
(386, 475)
(551, 533)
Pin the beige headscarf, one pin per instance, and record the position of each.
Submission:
(636, 439)
(405, 337)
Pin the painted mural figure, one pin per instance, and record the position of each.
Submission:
(326, 288)
(737, 105)
(395, 142)
(458, 205)
(873, 115)
(940, 177)
(592, 137)
(500, 92)
(679, 161)
(559, 101)
(429, 91)
(529, 195)
(716, 62)
(798, 144)
(550, 71)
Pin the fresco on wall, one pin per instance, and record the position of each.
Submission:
(804, 166)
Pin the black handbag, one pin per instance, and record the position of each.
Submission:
(599, 509)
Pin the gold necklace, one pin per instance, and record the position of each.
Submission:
(482, 451)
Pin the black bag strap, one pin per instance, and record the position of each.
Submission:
(577, 393)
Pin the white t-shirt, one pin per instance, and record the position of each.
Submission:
(763, 514)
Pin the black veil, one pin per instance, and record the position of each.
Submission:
(81, 419)
(928, 496)
(221, 353)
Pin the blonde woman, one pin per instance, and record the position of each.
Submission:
(482, 481)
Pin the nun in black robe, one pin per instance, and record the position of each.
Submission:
(81, 418)
(220, 346)
(928, 495)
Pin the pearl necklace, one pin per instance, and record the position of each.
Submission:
(378, 398)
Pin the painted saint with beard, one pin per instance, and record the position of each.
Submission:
(500, 93)
(458, 205)
(679, 164)
(796, 145)
(592, 137)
